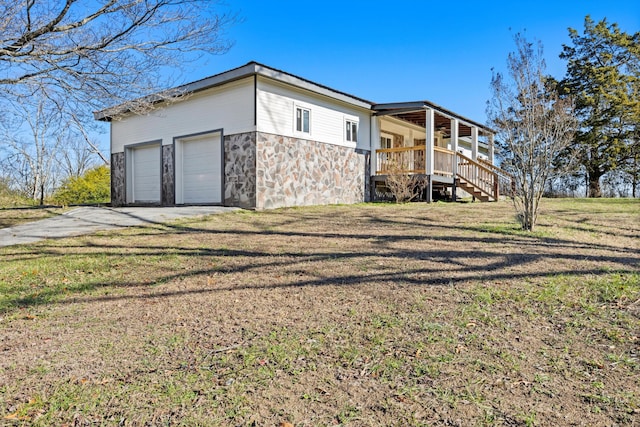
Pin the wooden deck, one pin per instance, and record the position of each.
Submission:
(479, 178)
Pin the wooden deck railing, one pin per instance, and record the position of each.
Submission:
(506, 181)
(400, 159)
(481, 176)
(411, 160)
(443, 161)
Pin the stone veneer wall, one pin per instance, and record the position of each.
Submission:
(118, 185)
(298, 172)
(168, 195)
(266, 171)
(240, 170)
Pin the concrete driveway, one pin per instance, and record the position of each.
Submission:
(89, 219)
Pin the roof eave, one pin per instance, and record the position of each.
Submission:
(389, 108)
(247, 70)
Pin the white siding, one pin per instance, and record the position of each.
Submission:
(464, 146)
(229, 107)
(408, 130)
(276, 105)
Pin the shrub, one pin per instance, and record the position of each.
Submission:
(92, 187)
(404, 186)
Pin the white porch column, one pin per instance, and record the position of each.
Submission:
(455, 133)
(374, 143)
(491, 149)
(429, 125)
(430, 139)
(474, 143)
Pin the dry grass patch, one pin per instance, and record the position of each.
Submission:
(442, 314)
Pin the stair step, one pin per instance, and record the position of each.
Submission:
(473, 190)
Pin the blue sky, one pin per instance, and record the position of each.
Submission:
(386, 51)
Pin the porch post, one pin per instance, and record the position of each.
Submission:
(429, 151)
(374, 144)
(454, 148)
(474, 143)
(491, 149)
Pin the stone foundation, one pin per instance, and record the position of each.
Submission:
(298, 172)
(168, 195)
(240, 170)
(118, 184)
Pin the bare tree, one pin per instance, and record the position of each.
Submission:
(31, 144)
(534, 125)
(88, 55)
(93, 146)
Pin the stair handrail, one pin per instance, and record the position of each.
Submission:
(496, 169)
(507, 177)
(487, 185)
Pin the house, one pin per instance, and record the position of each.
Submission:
(257, 137)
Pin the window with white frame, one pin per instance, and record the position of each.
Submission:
(303, 119)
(386, 141)
(351, 133)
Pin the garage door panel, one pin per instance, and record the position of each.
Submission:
(146, 174)
(202, 170)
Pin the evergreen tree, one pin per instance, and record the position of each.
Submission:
(603, 78)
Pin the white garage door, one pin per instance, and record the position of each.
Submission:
(202, 170)
(146, 174)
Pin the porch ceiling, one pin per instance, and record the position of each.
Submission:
(442, 123)
(414, 112)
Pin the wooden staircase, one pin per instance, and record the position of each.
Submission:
(480, 179)
(475, 191)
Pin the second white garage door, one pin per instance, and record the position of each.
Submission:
(201, 169)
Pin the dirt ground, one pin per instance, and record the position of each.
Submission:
(441, 314)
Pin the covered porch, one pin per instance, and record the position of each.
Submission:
(452, 152)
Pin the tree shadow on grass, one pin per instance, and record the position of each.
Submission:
(415, 251)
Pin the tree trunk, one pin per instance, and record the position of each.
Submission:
(634, 177)
(594, 184)
(42, 194)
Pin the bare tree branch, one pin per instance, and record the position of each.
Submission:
(102, 53)
(84, 134)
